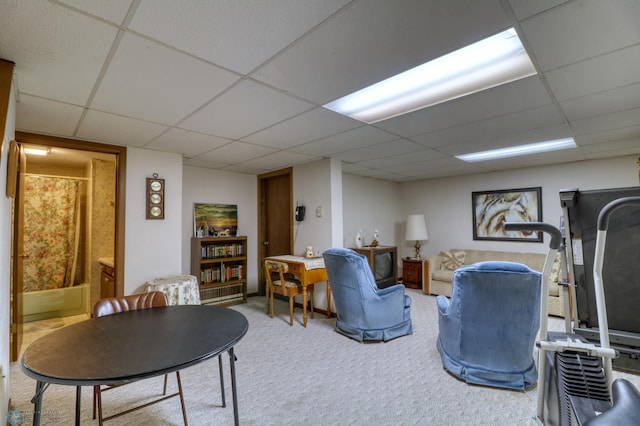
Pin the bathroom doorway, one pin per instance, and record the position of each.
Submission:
(67, 210)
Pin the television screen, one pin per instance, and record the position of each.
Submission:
(383, 266)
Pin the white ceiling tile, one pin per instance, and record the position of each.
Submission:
(382, 150)
(239, 168)
(580, 30)
(45, 116)
(614, 100)
(239, 35)
(278, 160)
(162, 89)
(521, 95)
(118, 130)
(244, 109)
(403, 159)
(152, 82)
(315, 124)
(236, 152)
(206, 163)
(619, 147)
(58, 52)
(525, 8)
(375, 39)
(112, 10)
(605, 72)
(346, 141)
(605, 137)
(612, 121)
(186, 143)
(502, 127)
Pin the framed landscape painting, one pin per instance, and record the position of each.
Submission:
(491, 209)
(215, 220)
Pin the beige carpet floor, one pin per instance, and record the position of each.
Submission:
(295, 375)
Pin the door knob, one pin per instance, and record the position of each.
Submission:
(266, 243)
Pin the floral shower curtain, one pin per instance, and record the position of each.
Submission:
(51, 225)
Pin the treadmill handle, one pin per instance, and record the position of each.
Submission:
(556, 236)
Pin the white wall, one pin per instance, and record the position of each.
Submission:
(370, 204)
(152, 247)
(219, 187)
(446, 203)
(5, 258)
(318, 187)
(312, 189)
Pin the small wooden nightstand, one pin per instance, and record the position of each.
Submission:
(412, 273)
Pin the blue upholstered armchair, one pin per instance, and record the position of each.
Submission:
(364, 311)
(488, 328)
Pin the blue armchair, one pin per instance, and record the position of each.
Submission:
(488, 328)
(365, 312)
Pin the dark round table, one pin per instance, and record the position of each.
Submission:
(132, 345)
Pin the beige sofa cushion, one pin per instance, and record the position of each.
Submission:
(451, 260)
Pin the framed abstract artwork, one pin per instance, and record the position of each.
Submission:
(491, 209)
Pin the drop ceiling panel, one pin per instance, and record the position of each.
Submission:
(278, 160)
(185, 142)
(236, 152)
(44, 116)
(382, 150)
(315, 124)
(602, 73)
(152, 82)
(606, 138)
(345, 141)
(580, 30)
(617, 120)
(244, 109)
(118, 130)
(394, 160)
(527, 8)
(619, 147)
(58, 52)
(375, 39)
(238, 35)
(521, 95)
(112, 10)
(614, 100)
(495, 128)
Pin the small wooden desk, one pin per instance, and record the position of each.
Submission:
(308, 271)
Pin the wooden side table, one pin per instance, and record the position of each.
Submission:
(412, 273)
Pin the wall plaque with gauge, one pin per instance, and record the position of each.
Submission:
(155, 197)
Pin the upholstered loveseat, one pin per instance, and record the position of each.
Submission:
(439, 271)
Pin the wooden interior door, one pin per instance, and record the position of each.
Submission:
(17, 162)
(275, 218)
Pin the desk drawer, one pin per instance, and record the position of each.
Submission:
(295, 268)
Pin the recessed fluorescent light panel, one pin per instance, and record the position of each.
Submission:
(515, 151)
(488, 63)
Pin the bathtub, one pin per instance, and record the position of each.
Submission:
(63, 302)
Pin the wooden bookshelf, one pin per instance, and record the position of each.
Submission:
(220, 265)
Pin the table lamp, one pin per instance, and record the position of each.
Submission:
(416, 231)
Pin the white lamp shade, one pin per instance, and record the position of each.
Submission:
(416, 228)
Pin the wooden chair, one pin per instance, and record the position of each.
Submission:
(277, 284)
(114, 305)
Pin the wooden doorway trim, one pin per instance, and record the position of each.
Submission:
(283, 227)
(121, 165)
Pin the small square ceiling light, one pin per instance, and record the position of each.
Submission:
(491, 62)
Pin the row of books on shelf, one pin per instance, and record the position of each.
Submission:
(227, 294)
(221, 250)
(221, 273)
